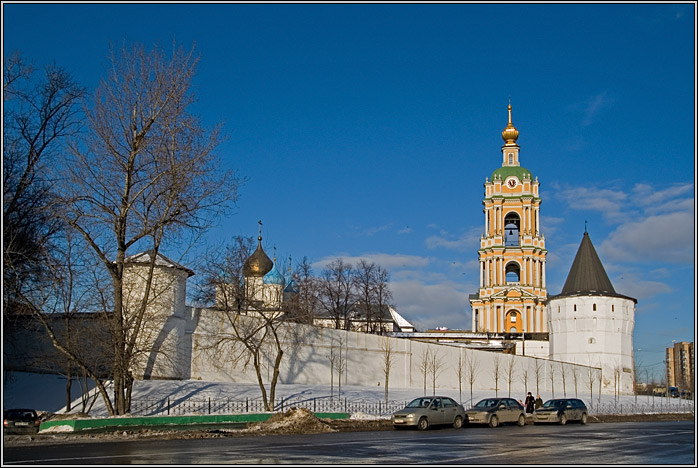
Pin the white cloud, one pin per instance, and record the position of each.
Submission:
(467, 241)
(610, 203)
(591, 108)
(664, 238)
(432, 305)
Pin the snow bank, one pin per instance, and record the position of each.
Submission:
(62, 428)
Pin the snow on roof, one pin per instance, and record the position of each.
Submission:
(160, 260)
(399, 319)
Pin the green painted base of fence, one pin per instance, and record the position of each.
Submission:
(163, 421)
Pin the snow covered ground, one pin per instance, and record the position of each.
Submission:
(47, 393)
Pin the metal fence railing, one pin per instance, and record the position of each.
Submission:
(683, 406)
(184, 406)
(174, 406)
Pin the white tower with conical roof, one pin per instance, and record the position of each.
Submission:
(590, 324)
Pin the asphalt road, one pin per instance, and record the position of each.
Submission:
(636, 443)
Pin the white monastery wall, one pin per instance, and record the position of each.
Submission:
(307, 361)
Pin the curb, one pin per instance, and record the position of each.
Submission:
(149, 422)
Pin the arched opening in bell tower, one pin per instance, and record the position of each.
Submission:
(513, 273)
(511, 229)
(513, 321)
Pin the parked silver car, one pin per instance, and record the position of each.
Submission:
(561, 410)
(493, 411)
(426, 411)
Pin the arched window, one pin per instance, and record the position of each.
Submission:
(511, 229)
(513, 273)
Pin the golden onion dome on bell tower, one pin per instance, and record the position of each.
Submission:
(510, 133)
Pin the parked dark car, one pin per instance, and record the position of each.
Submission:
(561, 411)
(429, 411)
(493, 411)
(20, 421)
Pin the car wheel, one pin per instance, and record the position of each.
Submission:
(423, 424)
(563, 419)
(458, 422)
(521, 421)
(494, 421)
(584, 418)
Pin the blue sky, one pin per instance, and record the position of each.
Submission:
(367, 131)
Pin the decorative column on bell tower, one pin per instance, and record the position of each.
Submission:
(512, 293)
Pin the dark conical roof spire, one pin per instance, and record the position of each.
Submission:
(587, 274)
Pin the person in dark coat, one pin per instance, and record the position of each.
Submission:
(539, 402)
(530, 401)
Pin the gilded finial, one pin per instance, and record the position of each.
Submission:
(260, 230)
(289, 264)
(510, 133)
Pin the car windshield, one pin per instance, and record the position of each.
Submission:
(489, 403)
(554, 404)
(419, 403)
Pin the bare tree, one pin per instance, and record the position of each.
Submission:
(472, 367)
(435, 369)
(496, 363)
(39, 115)
(303, 306)
(617, 374)
(552, 378)
(460, 372)
(563, 375)
(524, 377)
(388, 353)
(256, 334)
(336, 292)
(511, 371)
(575, 379)
(538, 370)
(590, 383)
(332, 357)
(341, 364)
(381, 292)
(424, 366)
(146, 174)
(363, 282)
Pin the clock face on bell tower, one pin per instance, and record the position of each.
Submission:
(512, 293)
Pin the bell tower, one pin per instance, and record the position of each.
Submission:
(512, 293)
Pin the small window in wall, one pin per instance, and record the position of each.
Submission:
(558, 309)
(613, 308)
(592, 341)
(575, 307)
(512, 330)
(511, 158)
(594, 308)
(513, 318)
